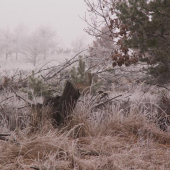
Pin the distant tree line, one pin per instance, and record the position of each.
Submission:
(36, 45)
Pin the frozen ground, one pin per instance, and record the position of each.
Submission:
(11, 65)
(122, 135)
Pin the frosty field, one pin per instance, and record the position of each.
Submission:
(121, 135)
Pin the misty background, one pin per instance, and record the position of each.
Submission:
(62, 16)
(41, 30)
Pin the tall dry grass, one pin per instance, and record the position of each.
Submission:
(107, 139)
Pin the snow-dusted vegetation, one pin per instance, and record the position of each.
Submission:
(105, 107)
(115, 125)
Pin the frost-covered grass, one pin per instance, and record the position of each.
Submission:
(107, 138)
(117, 143)
(122, 134)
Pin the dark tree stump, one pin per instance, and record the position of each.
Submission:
(62, 106)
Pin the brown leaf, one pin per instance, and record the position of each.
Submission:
(127, 63)
(114, 64)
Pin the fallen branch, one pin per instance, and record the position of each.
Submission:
(19, 96)
(34, 168)
(67, 64)
(103, 103)
(2, 136)
(6, 99)
(33, 106)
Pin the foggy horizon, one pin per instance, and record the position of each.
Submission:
(62, 16)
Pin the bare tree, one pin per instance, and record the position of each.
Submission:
(32, 48)
(38, 44)
(6, 42)
(49, 39)
(78, 44)
(19, 33)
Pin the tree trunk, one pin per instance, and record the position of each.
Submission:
(16, 56)
(45, 54)
(62, 106)
(6, 54)
(35, 61)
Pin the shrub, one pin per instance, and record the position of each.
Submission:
(37, 87)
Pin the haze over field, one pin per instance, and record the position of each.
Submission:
(23, 21)
(62, 16)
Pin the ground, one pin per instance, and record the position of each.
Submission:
(117, 136)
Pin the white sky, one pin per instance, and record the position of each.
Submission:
(62, 15)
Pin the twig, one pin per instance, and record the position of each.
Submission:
(2, 138)
(34, 168)
(155, 85)
(103, 103)
(20, 96)
(6, 99)
(67, 64)
(1, 134)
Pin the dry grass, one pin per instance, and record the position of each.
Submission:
(117, 143)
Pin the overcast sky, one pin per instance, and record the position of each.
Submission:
(62, 15)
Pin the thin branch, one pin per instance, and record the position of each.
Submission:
(103, 103)
(2, 134)
(67, 64)
(6, 99)
(3, 138)
(155, 85)
(34, 168)
(20, 96)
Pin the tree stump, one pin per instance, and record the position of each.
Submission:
(62, 106)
